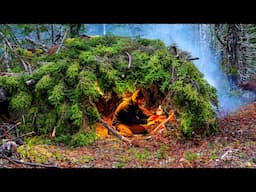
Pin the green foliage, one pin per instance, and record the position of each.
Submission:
(87, 85)
(191, 156)
(10, 84)
(57, 95)
(37, 140)
(45, 122)
(83, 139)
(71, 82)
(139, 154)
(72, 73)
(162, 152)
(76, 115)
(44, 84)
(64, 139)
(21, 101)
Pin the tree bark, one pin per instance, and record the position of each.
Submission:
(74, 30)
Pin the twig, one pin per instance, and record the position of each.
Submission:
(8, 130)
(162, 123)
(28, 163)
(9, 159)
(26, 134)
(193, 58)
(34, 119)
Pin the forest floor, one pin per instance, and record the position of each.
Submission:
(234, 146)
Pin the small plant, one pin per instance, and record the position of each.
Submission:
(64, 139)
(87, 158)
(213, 154)
(120, 164)
(143, 155)
(162, 152)
(83, 139)
(21, 101)
(191, 156)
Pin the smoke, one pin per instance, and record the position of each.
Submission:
(196, 39)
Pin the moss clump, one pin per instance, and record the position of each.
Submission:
(70, 85)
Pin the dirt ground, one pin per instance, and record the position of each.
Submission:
(234, 146)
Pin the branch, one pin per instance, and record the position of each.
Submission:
(15, 161)
(26, 134)
(162, 123)
(194, 58)
(8, 130)
(115, 133)
(130, 60)
(25, 64)
(37, 43)
(172, 79)
(62, 41)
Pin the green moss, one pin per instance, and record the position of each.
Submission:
(57, 95)
(21, 101)
(44, 84)
(71, 82)
(10, 84)
(76, 115)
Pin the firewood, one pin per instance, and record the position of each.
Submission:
(115, 133)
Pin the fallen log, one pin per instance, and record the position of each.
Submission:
(15, 161)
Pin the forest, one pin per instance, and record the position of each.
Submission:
(61, 86)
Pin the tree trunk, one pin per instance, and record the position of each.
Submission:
(52, 33)
(74, 29)
(38, 34)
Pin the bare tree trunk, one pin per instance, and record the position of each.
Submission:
(52, 33)
(38, 36)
